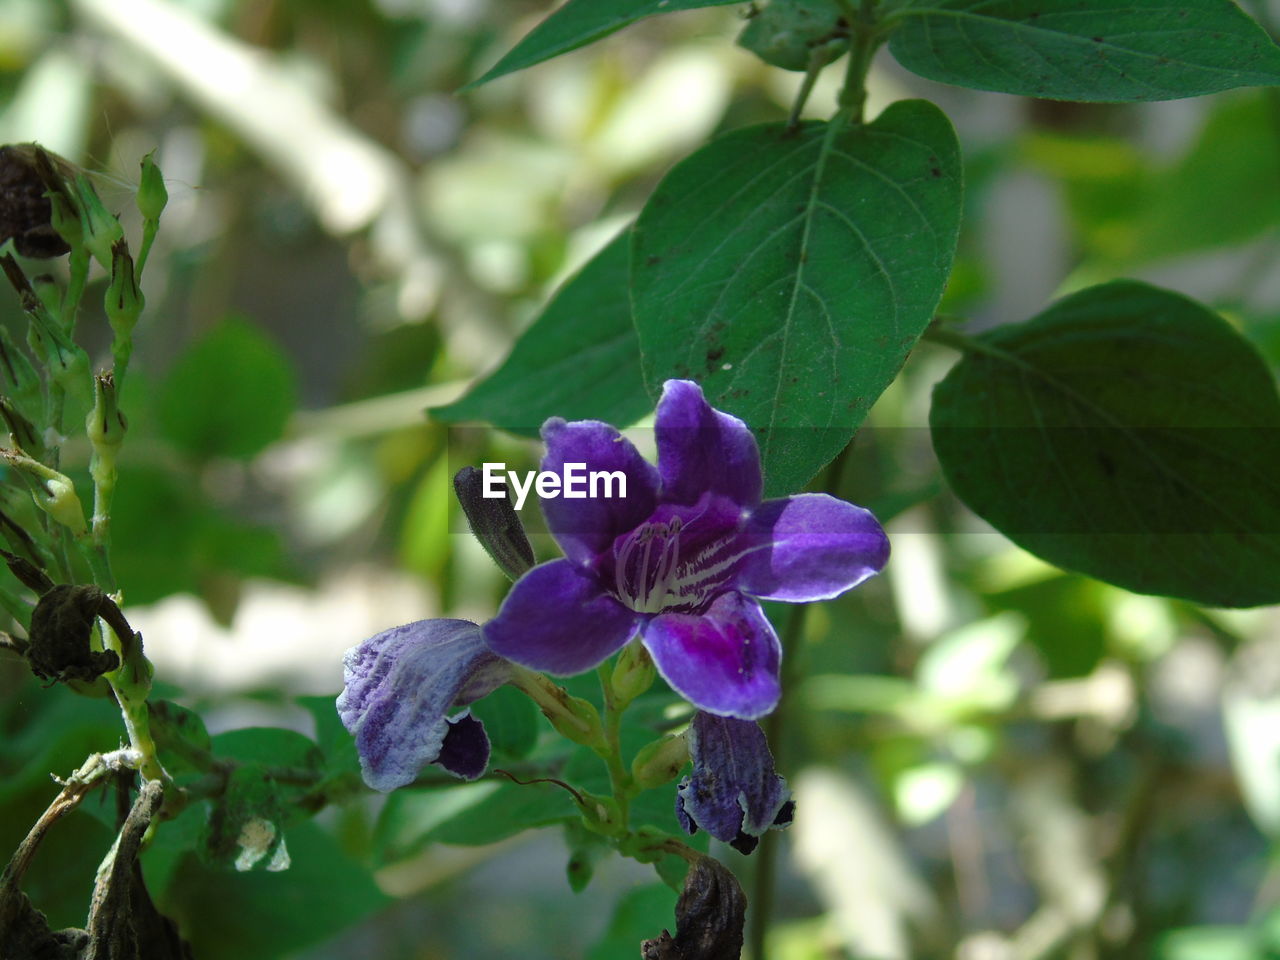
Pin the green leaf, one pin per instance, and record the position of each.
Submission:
(229, 395)
(1223, 191)
(1210, 943)
(337, 745)
(579, 360)
(275, 746)
(269, 915)
(1092, 50)
(792, 272)
(580, 22)
(470, 814)
(641, 914)
(511, 720)
(1127, 433)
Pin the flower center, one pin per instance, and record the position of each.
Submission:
(674, 565)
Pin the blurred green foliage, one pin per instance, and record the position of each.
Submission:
(1045, 755)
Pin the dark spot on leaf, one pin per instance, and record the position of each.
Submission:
(935, 172)
(652, 261)
(1107, 464)
(1097, 39)
(713, 357)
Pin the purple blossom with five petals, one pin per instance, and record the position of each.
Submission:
(682, 559)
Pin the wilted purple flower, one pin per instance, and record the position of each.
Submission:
(681, 559)
(399, 689)
(733, 793)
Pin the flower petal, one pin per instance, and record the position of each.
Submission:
(558, 619)
(586, 527)
(701, 449)
(724, 660)
(399, 687)
(810, 547)
(733, 793)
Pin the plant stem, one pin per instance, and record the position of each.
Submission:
(775, 730)
(865, 39)
(619, 776)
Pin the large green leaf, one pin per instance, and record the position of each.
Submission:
(1092, 50)
(1127, 433)
(792, 272)
(580, 22)
(268, 915)
(642, 914)
(470, 814)
(1224, 190)
(580, 359)
(229, 395)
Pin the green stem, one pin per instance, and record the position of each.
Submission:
(774, 726)
(149, 228)
(865, 39)
(619, 776)
(78, 262)
(775, 729)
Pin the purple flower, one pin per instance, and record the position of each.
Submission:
(733, 793)
(681, 559)
(399, 689)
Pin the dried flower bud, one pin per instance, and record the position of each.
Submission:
(61, 629)
(495, 523)
(710, 915)
(25, 210)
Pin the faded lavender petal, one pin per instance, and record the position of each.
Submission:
(399, 688)
(734, 793)
(810, 547)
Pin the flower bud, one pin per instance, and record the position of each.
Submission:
(633, 674)
(124, 301)
(105, 424)
(53, 492)
(152, 194)
(600, 814)
(495, 523)
(796, 34)
(102, 229)
(575, 718)
(660, 761)
(22, 431)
